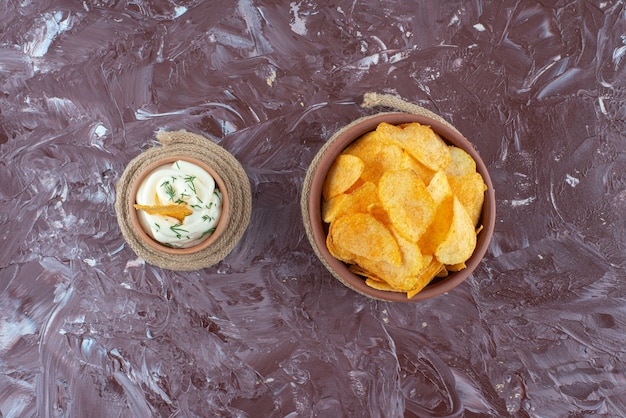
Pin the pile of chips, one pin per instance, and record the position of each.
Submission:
(403, 207)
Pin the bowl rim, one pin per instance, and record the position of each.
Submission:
(339, 269)
(134, 218)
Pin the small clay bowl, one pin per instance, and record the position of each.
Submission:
(134, 218)
(318, 229)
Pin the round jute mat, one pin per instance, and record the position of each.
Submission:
(186, 144)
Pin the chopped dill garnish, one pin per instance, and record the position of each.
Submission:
(169, 189)
(177, 230)
(207, 232)
(181, 199)
(189, 180)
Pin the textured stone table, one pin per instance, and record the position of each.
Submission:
(88, 329)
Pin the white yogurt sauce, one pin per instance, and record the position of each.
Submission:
(180, 183)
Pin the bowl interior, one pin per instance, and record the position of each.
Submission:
(221, 224)
(319, 228)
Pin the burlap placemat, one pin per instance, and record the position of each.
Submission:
(182, 143)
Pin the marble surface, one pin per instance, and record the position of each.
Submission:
(89, 329)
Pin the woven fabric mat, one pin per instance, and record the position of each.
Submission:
(180, 144)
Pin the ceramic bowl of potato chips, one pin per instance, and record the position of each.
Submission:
(399, 207)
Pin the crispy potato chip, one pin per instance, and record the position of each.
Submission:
(425, 173)
(355, 202)
(355, 186)
(437, 231)
(461, 162)
(364, 236)
(433, 267)
(179, 212)
(420, 141)
(366, 147)
(378, 211)
(388, 158)
(439, 187)
(338, 252)
(456, 267)
(343, 173)
(460, 242)
(412, 262)
(470, 189)
(443, 272)
(358, 270)
(407, 201)
(402, 277)
(335, 207)
(380, 285)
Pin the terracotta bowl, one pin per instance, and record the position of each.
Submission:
(134, 218)
(319, 229)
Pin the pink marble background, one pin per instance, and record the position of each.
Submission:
(89, 329)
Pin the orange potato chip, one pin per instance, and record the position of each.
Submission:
(456, 267)
(177, 211)
(364, 236)
(470, 189)
(460, 241)
(461, 162)
(338, 252)
(378, 211)
(360, 271)
(402, 277)
(343, 173)
(335, 207)
(433, 267)
(407, 201)
(443, 272)
(366, 147)
(380, 285)
(425, 173)
(355, 186)
(439, 187)
(388, 158)
(355, 202)
(437, 231)
(420, 141)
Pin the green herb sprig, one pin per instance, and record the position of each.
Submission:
(176, 229)
(189, 180)
(169, 189)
